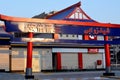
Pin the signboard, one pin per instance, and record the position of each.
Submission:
(93, 50)
(66, 41)
(33, 40)
(37, 40)
(69, 29)
(29, 27)
(92, 42)
(62, 29)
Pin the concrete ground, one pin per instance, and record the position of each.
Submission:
(85, 75)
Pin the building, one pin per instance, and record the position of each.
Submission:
(55, 56)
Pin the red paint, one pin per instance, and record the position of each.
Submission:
(58, 61)
(56, 36)
(29, 51)
(107, 52)
(85, 37)
(80, 61)
(97, 31)
(93, 50)
(99, 62)
(64, 22)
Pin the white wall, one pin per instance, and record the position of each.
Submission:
(76, 50)
(69, 50)
(89, 61)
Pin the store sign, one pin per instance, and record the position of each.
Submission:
(32, 40)
(37, 40)
(29, 27)
(60, 29)
(88, 30)
(93, 50)
(96, 31)
(38, 27)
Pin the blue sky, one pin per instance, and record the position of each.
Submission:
(99, 10)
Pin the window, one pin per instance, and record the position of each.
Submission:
(66, 35)
(19, 35)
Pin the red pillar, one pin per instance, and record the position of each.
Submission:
(29, 52)
(80, 61)
(107, 55)
(29, 57)
(107, 59)
(58, 61)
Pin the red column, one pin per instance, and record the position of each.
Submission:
(80, 61)
(107, 55)
(58, 61)
(29, 57)
(29, 52)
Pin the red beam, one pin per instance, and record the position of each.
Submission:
(63, 22)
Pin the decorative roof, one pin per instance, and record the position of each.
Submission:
(73, 12)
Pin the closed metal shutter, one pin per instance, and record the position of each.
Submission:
(46, 59)
(69, 60)
(4, 59)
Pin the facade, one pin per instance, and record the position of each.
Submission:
(4, 49)
(55, 56)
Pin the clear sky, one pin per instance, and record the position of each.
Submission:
(99, 10)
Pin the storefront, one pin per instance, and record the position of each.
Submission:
(70, 41)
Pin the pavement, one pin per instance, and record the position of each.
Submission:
(84, 75)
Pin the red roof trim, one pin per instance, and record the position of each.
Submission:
(75, 5)
(64, 22)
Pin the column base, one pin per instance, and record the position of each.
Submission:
(29, 76)
(108, 74)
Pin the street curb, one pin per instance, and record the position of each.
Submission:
(114, 77)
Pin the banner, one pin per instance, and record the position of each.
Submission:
(62, 29)
(69, 29)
